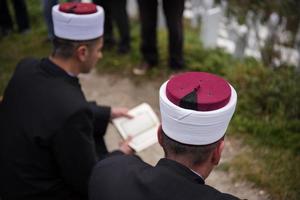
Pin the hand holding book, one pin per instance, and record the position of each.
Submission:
(119, 112)
(142, 127)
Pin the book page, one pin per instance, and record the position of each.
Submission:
(142, 127)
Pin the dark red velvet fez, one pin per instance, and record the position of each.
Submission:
(78, 8)
(199, 91)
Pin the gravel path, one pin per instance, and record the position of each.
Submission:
(115, 90)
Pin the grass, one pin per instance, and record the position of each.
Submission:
(275, 169)
(16, 46)
(267, 117)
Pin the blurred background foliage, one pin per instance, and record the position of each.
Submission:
(285, 8)
(287, 12)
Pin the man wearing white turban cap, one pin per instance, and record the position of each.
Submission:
(196, 108)
(50, 136)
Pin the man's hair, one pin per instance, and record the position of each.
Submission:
(196, 154)
(65, 48)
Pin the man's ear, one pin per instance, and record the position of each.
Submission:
(159, 135)
(217, 153)
(82, 53)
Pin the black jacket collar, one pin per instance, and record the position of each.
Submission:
(53, 69)
(180, 170)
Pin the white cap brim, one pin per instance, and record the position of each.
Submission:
(195, 127)
(78, 27)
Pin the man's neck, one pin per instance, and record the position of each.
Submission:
(68, 65)
(203, 169)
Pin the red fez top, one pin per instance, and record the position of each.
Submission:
(78, 8)
(198, 91)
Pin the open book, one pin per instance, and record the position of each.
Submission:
(142, 127)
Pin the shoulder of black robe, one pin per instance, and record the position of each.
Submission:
(128, 177)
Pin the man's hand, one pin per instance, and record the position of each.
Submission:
(119, 112)
(125, 148)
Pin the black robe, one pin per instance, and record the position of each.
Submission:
(128, 177)
(50, 136)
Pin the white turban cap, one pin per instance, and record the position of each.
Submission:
(215, 102)
(78, 21)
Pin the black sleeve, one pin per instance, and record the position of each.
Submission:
(74, 150)
(101, 118)
(120, 153)
(107, 173)
(226, 196)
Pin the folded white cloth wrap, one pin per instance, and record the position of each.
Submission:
(195, 127)
(78, 27)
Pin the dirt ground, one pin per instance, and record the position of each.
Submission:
(116, 90)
